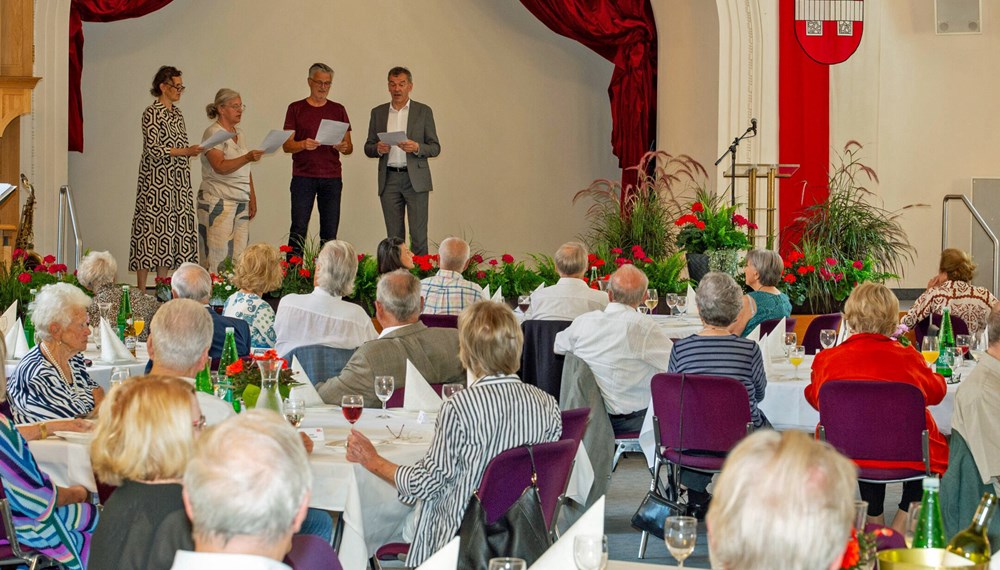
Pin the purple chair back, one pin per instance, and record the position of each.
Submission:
(440, 321)
(715, 417)
(851, 411)
(811, 339)
(540, 366)
(958, 326)
(396, 401)
(574, 424)
(767, 326)
(310, 552)
(509, 474)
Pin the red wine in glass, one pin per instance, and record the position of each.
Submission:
(351, 406)
(352, 413)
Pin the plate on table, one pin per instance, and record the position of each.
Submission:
(82, 437)
(341, 444)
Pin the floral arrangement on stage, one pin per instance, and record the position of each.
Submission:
(810, 278)
(664, 274)
(244, 376)
(712, 226)
(29, 271)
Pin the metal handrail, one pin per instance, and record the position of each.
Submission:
(982, 223)
(66, 204)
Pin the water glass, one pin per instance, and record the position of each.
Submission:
(912, 521)
(523, 302)
(294, 411)
(791, 340)
(590, 552)
(827, 338)
(507, 564)
(682, 301)
(671, 302)
(680, 535)
(449, 390)
(118, 376)
(384, 387)
(860, 515)
(351, 406)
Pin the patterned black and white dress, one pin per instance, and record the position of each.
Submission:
(163, 229)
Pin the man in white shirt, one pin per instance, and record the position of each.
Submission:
(246, 491)
(623, 348)
(571, 296)
(447, 293)
(323, 317)
(179, 337)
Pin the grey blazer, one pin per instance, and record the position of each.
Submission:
(420, 129)
(434, 352)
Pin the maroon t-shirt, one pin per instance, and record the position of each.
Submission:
(304, 119)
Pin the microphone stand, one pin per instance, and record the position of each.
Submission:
(731, 151)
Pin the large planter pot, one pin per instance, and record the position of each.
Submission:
(724, 260)
(697, 266)
(818, 306)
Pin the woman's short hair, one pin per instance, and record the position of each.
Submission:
(54, 305)
(163, 75)
(957, 264)
(719, 299)
(872, 308)
(805, 480)
(768, 265)
(336, 268)
(258, 269)
(221, 96)
(97, 269)
(389, 256)
(144, 430)
(489, 339)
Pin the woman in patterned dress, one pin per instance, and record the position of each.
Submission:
(258, 272)
(163, 227)
(952, 287)
(765, 302)
(226, 200)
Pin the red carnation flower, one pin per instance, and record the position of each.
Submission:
(810, 268)
(304, 272)
(858, 265)
(494, 262)
(24, 278)
(597, 263)
(361, 257)
(831, 261)
(789, 278)
(697, 207)
(853, 552)
(480, 275)
(739, 220)
(751, 225)
(838, 277)
(295, 260)
(477, 258)
(700, 225)
(49, 259)
(54, 268)
(802, 270)
(647, 260)
(507, 258)
(41, 269)
(19, 253)
(234, 368)
(286, 249)
(424, 266)
(616, 250)
(787, 264)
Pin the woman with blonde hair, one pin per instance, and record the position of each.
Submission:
(952, 286)
(143, 441)
(258, 272)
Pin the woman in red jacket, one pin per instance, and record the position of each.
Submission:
(872, 312)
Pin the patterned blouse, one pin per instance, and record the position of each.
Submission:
(62, 533)
(37, 392)
(495, 414)
(769, 307)
(257, 313)
(143, 306)
(970, 303)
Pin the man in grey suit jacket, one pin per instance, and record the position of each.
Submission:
(433, 351)
(404, 176)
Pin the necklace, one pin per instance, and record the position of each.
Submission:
(715, 330)
(59, 367)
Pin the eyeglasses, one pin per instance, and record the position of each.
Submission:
(177, 86)
(198, 425)
(321, 83)
(235, 107)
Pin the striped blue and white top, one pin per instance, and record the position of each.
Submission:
(37, 392)
(729, 356)
(493, 415)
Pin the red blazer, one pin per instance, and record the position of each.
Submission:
(878, 357)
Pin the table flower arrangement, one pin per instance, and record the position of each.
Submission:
(861, 549)
(244, 376)
(30, 271)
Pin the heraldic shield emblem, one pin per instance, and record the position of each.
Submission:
(829, 31)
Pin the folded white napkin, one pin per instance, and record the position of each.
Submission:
(419, 396)
(498, 296)
(112, 348)
(692, 303)
(444, 559)
(754, 334)
(844, 333)
(306, 391)
(558, 555)
(486, 293)
(15, 341)
(537, 289)
(776, 340)
(765, 353)
(9, 317)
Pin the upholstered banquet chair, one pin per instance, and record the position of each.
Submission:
(441, 321)
(319, 361)
(811, 339)
(540, 365)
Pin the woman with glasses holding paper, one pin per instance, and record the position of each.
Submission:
(226, 199)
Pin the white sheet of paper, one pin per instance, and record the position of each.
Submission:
(273, 140)
(217, 138)
(331, 132)
(393, 138)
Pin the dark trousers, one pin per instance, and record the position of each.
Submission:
(399, 198)
(874, 494)
(326, 193)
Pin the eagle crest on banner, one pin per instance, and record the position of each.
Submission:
(829, 31)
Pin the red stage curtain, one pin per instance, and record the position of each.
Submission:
(623, 32)
(81, 11)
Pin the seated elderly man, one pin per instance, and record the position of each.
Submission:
(433, 351)
(179, 339)
(571, 296)
(241, 517)
(806, 486)
(623, 348)
(447, 293)
(323, 317)
(192, 281)
(97, 272)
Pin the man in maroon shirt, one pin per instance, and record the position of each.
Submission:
(316, 171)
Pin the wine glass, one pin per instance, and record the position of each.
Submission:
(860, 514)
(642, 310)
(523, 302)
(104, 307)
(964, 342)
(384, 387)
(682, 301)
(680, 534)
(671, 302)
(507, 564)
(827, 338)
(449, 390)
(602, 284)
(294, 411)
(912, 521)
(590, 552)
(652, 299)
(795, 355)
(957, 359)
(139, 325)
(118, 376)
(351, 405)
(791, 340)
(929, 348)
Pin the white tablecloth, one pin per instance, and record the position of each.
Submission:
(100, 371)
(677, 326)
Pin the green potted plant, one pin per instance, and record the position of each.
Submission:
(713, 235)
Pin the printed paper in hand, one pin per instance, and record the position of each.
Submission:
(305, 390)
(9, 318)
(273, 140)
(419, 396)
(217, 138)
(393, 138)
(15, 341)
(590, 524)
(112, 348)
(444, 559)
(331, 132)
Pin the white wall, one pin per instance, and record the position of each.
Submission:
(522, 113)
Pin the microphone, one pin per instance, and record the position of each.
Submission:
(753, 125)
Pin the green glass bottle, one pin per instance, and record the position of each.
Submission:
(29, 327)
(946, 345)
(203, 380)
(124, 313)
(930, 529)
(229, 354)
(972, 543)
(128, 335)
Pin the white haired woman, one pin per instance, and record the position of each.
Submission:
(97, 272)
(765, 303)
(226, 199)
(51, 381)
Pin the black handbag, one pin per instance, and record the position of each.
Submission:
(521, 531)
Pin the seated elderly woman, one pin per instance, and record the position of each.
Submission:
(806, 484)
(258, 272)
(765, 302)
(51, 382)
(870, 354)
(97, 272)
(716, 351)
(323, 317)
(496, 413)
(952, 287)
(393, 254)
